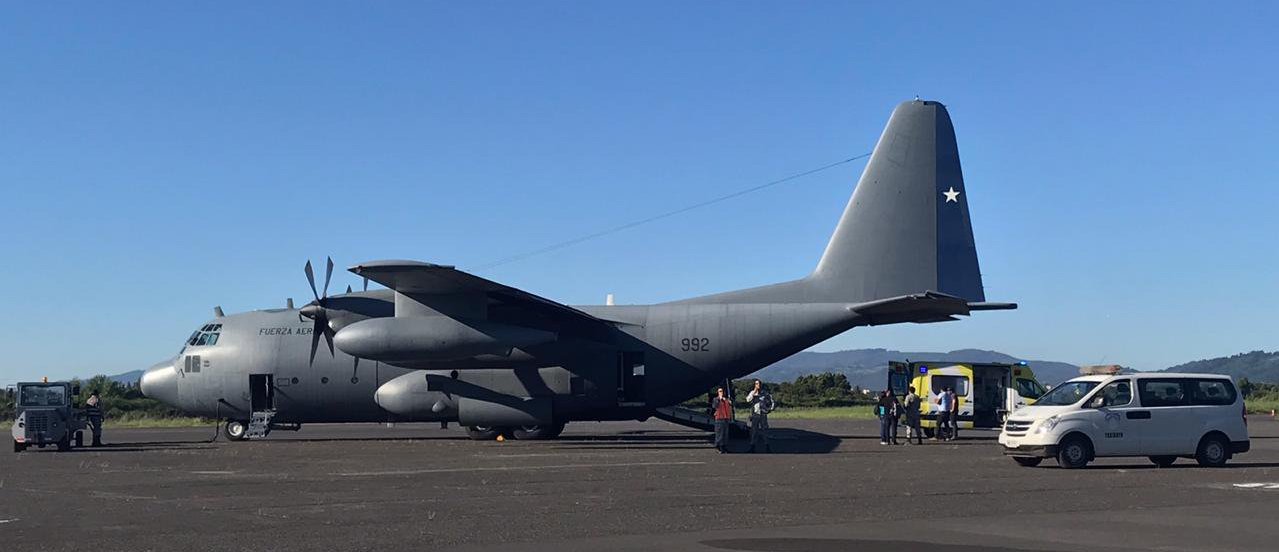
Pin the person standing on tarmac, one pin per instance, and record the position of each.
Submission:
(911, 407)
(761, 404)
(954, 413)
(93, 411)
(943, 414)
(884, 409)
(722, 408)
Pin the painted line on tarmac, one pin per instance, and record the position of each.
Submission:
(214, 472)
(1266, 486)
(8, 520)
(514, 468)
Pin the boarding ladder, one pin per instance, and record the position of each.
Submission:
(259, 424)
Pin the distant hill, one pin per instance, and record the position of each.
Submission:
(1257, 366)
(868, 367)
(127, 378)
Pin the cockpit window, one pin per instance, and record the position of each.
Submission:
(207, 335)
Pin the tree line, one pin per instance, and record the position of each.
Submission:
(122, 402)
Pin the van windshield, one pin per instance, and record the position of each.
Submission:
(1070, 392)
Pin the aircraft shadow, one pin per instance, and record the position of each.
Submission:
(783, 440)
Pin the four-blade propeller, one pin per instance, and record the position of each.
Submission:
(316, 309)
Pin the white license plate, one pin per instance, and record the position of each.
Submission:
(1013, 443)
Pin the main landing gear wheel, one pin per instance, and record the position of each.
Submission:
(483, 433)
(1028, 461)
(537, 432)
(234, 430)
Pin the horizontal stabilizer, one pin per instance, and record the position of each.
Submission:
(929, 306)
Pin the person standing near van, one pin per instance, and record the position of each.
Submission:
(883, 410)
(911, 407)
(943, 413)
(954, 413)
(761, 404)
(723, 409)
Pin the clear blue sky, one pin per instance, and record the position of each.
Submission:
(157, 159)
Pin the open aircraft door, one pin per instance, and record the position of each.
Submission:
(899, 375)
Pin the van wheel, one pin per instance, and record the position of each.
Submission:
(1073, 453)
(234, 430)
(483, 433)
(537, 432)
(1163, 461)
(1213, 451)
(1028, 461)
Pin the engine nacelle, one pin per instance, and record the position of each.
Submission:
(418, 338)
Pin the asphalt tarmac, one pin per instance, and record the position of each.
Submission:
(830, 485)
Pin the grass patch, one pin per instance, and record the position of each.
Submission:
(861, 412)
(1261, 406)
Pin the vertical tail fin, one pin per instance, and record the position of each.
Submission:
(906, 229)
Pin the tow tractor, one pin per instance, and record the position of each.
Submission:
(987, 392)
(44, 416)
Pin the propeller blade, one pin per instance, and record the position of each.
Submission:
(310, 279)
(328, 274)
(328, 338)
(315, 343)
(348, 288)
(356, 367)
(366, 284)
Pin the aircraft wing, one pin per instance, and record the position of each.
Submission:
(929, 306)
(429, 283)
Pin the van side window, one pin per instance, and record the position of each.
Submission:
(1118, 393)
(1213, 392)
(960, 383)
(1163, 392)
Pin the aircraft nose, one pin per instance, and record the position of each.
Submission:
(160, 382)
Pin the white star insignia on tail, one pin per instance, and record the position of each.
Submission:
(951, 195)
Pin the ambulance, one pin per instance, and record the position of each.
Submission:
(987, 392)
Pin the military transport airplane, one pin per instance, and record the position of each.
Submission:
(440, 344)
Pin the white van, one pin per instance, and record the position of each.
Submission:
(1160, 416)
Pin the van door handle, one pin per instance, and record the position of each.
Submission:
(1139, 415)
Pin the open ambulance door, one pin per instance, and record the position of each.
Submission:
(899, 375)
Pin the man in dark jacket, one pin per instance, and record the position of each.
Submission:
(93, 411)
(722, 408)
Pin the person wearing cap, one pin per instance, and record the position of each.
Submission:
(93, 411)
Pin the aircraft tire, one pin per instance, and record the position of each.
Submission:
(483, 433)
(234, 430)
(537, 433)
